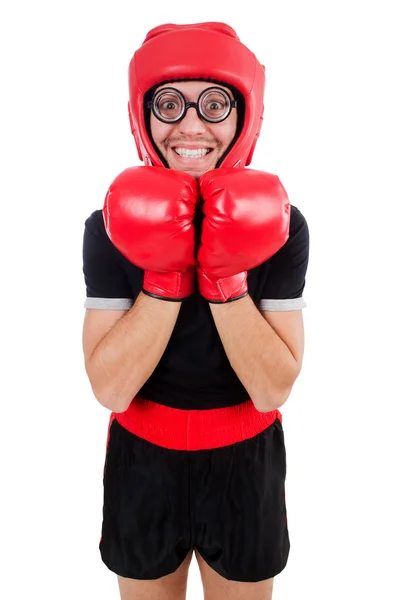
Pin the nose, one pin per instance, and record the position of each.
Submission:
(191, 123)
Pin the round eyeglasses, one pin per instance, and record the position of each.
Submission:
(214, 105)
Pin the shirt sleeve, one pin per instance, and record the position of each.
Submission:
(107, 281)
(285, 281)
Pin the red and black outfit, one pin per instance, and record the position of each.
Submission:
(191, 462)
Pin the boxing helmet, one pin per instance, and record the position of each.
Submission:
(198, 51)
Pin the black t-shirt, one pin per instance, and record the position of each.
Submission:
(194, 371)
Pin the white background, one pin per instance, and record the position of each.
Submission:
(330, 134)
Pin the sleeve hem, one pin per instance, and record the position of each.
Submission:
(282, 304)
(109, 303)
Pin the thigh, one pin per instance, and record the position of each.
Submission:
(169, 587)
(239, 517)
(217, 587)
(146, 531)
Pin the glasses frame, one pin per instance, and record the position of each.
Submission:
(187, 105)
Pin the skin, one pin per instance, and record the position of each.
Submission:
(193, 133)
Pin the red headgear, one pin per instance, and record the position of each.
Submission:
(199, 51)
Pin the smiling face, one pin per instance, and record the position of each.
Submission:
(193, 145)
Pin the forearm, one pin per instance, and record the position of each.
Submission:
(262, 361)
(128, 354)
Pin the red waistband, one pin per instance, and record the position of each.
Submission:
(178, 429)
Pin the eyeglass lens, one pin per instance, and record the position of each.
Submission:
(169, 104)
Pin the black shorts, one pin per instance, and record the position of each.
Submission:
(227, 502)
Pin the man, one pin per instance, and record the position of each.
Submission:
(193, 335)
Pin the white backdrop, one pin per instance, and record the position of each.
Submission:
(330, 134)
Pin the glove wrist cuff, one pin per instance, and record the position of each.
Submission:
(174, 286)
(222, 289)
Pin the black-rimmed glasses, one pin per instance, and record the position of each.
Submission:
(214, 105)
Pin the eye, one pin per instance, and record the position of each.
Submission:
(168, 105)
(214, 105)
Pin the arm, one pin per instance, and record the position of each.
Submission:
(140, 247)
(265, 350)
(122, 349)
(265, 347)
(247, 224)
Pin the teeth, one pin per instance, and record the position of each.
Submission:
(192, 153)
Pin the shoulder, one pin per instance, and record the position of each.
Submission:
(286, 272)
(298, 239)
(95, 235)
(95, 224)
(298, 222)
(97, 245)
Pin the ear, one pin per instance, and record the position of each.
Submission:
(251, 152)
(134, 133)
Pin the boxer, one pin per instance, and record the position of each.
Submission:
(193, 335)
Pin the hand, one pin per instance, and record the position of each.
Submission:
(148, 214)
(246, 221)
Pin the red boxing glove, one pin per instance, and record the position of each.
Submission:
(246, 220)
(148, 214)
